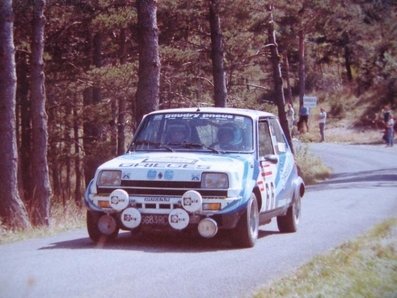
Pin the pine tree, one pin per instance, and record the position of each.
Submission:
(217, 56)
(40, 173)
(147, 94)
(12, 210)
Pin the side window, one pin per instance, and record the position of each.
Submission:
(281, 143)
(265, 139)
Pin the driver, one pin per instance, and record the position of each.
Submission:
(229, 138)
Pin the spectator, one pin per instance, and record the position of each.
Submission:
(304, 119)
(386, 114)
(390, 131)
(322, 119)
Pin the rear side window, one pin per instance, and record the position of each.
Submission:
(265, 139)
(281, 142)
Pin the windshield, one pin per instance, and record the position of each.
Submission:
(195, 131)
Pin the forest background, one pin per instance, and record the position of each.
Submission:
(343, 51)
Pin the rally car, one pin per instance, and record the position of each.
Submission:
(202, 169)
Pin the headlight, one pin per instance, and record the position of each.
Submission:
(109, 178)
(214, 181)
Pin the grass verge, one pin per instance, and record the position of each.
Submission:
(312, 169)
(365, 267)
(63, 218)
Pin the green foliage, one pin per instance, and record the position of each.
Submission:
(337, 110)
(312, 169)
(114, 18)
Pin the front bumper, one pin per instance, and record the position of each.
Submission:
(167, 210)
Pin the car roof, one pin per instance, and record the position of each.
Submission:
(237, 111)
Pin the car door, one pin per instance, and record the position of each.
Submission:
(268, 165)
(276, 164)
(285, 165)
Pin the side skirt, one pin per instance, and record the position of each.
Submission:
(266, 217)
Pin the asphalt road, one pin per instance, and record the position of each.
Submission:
(361, 193)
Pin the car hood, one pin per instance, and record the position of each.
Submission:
(179, 166)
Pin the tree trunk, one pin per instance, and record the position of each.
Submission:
(348, 64)
(217, 55)
(25, 147)
(302, 71)
(122, 100)
(147, 95)
(79, 170)
(92, 96)
(121, 126)
(41, 182)
(347, 56)
(12, 211)
(54, 152)
(287, 78)
(277, 78)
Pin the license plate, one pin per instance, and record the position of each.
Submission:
(154, 219)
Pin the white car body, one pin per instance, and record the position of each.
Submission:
(203, 181)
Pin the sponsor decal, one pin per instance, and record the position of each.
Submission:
(260, 185)
(169, 160)
(151, 174)
(266, 170)
(267, 192)
(196, 115)
(169, 175)
(128, 217)
(156, 199)
(195, 177)
(114, 200)
(127, 165)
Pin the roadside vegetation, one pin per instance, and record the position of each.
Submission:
(63, 218)
(312, 169)
(364, 267)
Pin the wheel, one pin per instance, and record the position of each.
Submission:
(289, 223)
(246, 231)
(101, 227)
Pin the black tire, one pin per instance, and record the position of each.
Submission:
(93, 230)
(246, 232)
(289, 223)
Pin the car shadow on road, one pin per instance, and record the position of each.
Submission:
(153, 242)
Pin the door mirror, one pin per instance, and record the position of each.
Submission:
(271, 158)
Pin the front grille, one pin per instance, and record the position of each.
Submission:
(165, 188)
(161, 184)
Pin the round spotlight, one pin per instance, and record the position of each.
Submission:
(178, 219)
(207, 227)
(131, 218)
(107, 224)
(192, 201)
(119, 199)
